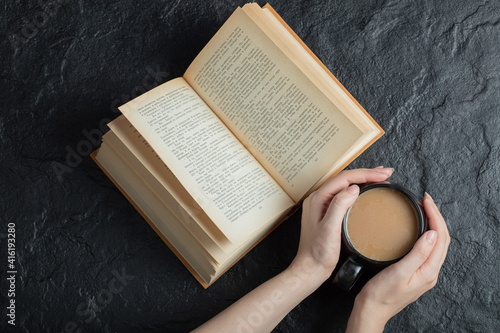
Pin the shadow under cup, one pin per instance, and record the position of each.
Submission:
(379, 229)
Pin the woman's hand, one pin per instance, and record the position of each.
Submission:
(403, 282)
(265, 306)
(322, 214)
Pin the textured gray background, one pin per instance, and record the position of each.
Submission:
(428, 72)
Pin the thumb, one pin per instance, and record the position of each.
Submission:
(419, 254)
(340, 203)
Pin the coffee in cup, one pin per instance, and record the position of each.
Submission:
(379, 229)
(382, 224)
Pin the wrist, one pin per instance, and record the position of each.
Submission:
(308, 271)
(366, 317)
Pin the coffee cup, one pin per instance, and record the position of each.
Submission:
(378, 230)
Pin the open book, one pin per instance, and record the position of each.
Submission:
(216, 159)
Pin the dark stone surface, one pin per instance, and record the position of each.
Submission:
(427, 71)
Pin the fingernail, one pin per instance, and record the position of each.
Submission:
(430, 236)
(428, 196)
(379, 167)
(353, 189)
(386, 171)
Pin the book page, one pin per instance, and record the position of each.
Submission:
(128, 142)
(310, 65)
(274, 109)
(154, 212)
(298, 52)
(212, 165)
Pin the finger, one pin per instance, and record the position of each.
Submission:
(437, 223)
(320, 199)
(338, 207)
(355, 176)
(418, 255)
(433, 210)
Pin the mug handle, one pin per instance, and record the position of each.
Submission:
(348, 274)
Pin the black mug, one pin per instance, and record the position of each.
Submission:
(356, 262)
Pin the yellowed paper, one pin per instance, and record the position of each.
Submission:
(214, 167)
(137, 152)
(276, 111)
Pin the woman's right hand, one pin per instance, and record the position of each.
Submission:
(402, 283)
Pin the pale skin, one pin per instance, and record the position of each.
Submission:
(380, 299)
